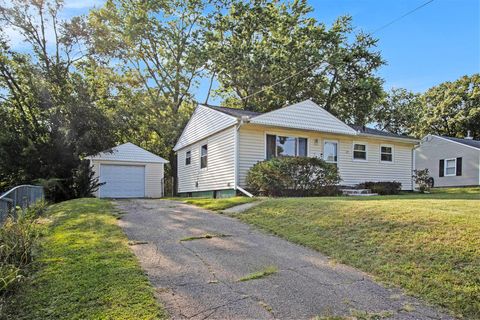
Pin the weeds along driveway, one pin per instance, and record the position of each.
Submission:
(195, 259)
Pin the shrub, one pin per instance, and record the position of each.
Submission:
(18, 236)
(382, 187)
(293, 176)
(423, 179)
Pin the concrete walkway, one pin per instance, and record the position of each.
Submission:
(198, 279)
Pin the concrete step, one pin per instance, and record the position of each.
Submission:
(358, 192)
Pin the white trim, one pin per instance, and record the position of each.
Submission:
(190, 157)
(445, 167)
(276, 134)
(353, 151)
(465, 145)
(393, 152)
(323, 150)
(200, 158)
(235, 156)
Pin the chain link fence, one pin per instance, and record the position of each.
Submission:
(19, 197)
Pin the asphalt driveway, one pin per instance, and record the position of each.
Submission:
(198, 279)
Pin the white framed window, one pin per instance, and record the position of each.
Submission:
(188, 157)
(203, 156)
(330, 151)
(359, 151)
(283, 146)
(450, 167)
(386, 153)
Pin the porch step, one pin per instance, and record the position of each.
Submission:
(358, 192)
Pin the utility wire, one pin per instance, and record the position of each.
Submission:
(314, 64)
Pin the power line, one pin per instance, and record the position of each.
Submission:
(401, 17)
(313, 64)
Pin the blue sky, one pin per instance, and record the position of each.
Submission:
(440, 42)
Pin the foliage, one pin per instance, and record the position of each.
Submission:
(383, 187)
(257, 43)
(267, 271)
(422, 179)
(216, 204)
(49, 114)
(18, 236)
(85, 270)
(398, 112)
(452, 108)
(292, 176)
(428, 247)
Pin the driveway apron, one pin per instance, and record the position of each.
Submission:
(199, 278)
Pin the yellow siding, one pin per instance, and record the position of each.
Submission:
(252, 150)
(220, 172)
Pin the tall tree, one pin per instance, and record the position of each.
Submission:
(452, 108)
(50, 117)
(398, 112)
(259, 42)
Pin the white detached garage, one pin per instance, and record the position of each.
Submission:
(128, 171)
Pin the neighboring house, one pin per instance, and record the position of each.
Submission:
(128, 171)
(450, 161)
(219, 145)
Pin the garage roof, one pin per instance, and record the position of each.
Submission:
(128, 152)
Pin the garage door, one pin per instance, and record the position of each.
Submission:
(122, 181)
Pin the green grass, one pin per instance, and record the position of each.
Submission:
(84, 269)
(427, 244)
(216, 204)
(259, 274)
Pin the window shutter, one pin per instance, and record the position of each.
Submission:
(459, 166)
(441, 168)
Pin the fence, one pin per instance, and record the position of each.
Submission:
(20, 196)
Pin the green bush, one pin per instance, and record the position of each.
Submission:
(382, 187)
(293, 176)
(18, 236)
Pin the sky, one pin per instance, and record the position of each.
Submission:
(439, 42)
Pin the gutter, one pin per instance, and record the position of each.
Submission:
(240, 122)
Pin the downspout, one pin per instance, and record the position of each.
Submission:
(242, 121)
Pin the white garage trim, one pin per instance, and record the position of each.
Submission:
(129, 156)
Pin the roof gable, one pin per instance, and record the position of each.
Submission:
(305, 115)
(128, 152)
(204, 122)
(466, 142)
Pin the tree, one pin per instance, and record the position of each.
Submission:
(398, 112)
(452, 108)
(50, 116)
(259, 42)
(157, 50)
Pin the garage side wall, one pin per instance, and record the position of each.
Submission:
(154, 173)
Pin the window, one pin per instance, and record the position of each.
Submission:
(359, 151)
(188, 158)
(450, 167)
(278, 146)
(204, 156)
(386, 153)
(330, 151)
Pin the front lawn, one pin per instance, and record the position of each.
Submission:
(84, 270)
(427, 244)
(216, 204)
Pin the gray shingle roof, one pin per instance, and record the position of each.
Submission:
(238, 113)
(468, 142)
(376, 132)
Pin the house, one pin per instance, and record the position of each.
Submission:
(219, 145)
(450, 161)
(128, 171)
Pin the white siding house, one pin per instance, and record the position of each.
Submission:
(235, 140)
(450, 161)
(128, 171)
